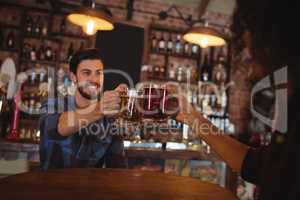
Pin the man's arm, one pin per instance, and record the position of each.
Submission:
(72, 121)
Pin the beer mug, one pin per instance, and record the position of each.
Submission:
(157, 104)
(129, 110)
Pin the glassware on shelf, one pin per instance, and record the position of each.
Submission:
(172, 72)
(170, 45)
(162, 44)
(154, 42)
(178, 46)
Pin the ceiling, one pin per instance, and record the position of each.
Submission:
(221, 6)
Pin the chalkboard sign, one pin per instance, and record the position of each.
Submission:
(122, 51)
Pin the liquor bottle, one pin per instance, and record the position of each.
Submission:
(184, 73)
(10, 41)
(156, 71)
(26, 50)
(194, 74)
(187, 48)
(150, 71)
(38, 26)
(81, 47)
(43, 73)
(32, 76)
(13, 131)
(162, 44)
(170, 45)
(45, 27)
(195, 50)
(38, 104)
(178, 46)
(22, 133)
(154, 42)
(31, 103)
(49, 54)
(63, 26)
(41, 52)
(188, 73)
(5, 114)
(54, 55)
(195, 97)
(2, 108)
(172, 72)
(29, 25)
(33, 54)
(179, 74)
(205, 70)
(219, 74)
(144, 73)
(162, 74)
(70, 52)
(1, 37)
(223, 102)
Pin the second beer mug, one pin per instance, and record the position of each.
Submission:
(129, 110)
(157, 104)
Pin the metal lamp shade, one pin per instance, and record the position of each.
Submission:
(102, 21)
(197, 35)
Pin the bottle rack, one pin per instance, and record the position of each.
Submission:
(41, 39)
(202, 74)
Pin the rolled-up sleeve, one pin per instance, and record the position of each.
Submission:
(253, 165)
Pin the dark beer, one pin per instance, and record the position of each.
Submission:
(157, 104)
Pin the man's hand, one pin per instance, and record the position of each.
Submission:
(110, 101)
(122, 88)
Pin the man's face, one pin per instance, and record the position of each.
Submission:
(89, 78)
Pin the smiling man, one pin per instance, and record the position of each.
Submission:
(75, 131)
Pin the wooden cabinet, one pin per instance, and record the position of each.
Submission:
(38, 40)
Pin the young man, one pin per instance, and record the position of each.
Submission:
(75, 131)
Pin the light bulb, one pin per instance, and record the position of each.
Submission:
(204, 42)
(89, 29)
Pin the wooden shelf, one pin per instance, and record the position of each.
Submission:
(166, 80)
(156, 78)
(20, 141)
(166, 29)
(144, 152)
(70, 36)
(49, 38)
(175, 55)
(9, 50)
(32, 116)
(169, 154)
(9, 26)
(29, 121)
(45, 62)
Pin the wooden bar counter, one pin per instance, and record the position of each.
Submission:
(107, 184)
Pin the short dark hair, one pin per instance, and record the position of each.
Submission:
(91, 53)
